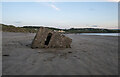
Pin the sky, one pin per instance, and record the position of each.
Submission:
(62, 15)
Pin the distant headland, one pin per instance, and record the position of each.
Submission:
(33, 29)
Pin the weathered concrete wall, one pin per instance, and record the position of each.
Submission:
(46, 38)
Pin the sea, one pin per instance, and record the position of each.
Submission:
(101, 34)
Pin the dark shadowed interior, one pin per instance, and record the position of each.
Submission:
(48, 38)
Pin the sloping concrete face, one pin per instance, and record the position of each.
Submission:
(46, 38)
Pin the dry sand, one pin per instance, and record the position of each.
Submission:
(89, 55)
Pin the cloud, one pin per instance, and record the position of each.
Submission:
(18, 22)
(54, 7)
(51, 4)
(94, 25)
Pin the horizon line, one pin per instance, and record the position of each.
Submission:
(57, 27)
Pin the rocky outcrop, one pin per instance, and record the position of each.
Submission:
(46, 38)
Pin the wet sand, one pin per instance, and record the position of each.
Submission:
(89, 55)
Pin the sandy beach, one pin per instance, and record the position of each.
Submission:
(89, 55)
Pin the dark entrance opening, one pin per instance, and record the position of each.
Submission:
(48, 38)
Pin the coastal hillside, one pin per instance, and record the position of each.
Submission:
(33, 29)
(12, 28)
